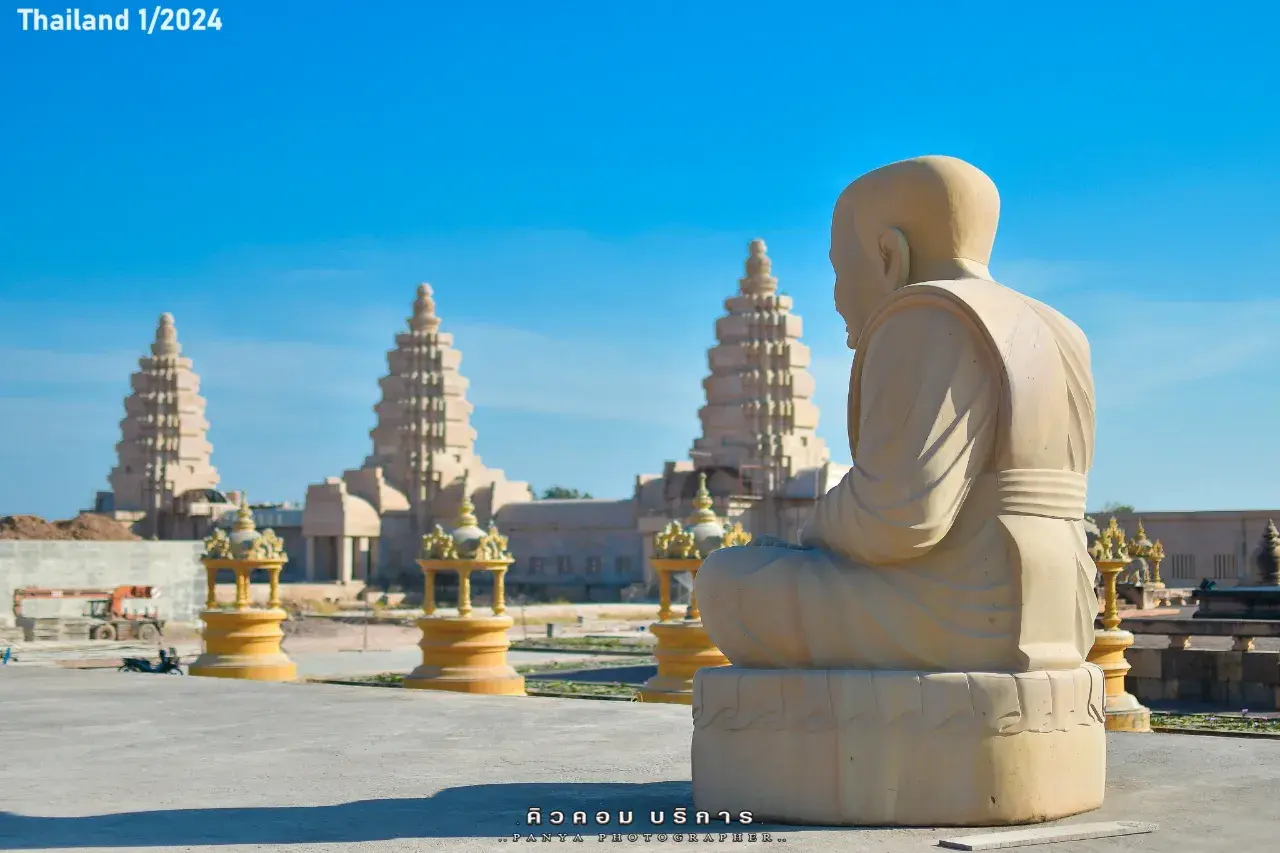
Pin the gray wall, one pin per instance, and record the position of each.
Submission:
(554, 563)
(1209, 545)
(174, 567)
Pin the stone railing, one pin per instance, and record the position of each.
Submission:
(1180, 631)
(1235, 679)
(1229, 679)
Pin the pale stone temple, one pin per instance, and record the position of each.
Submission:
(164, 481)
(367, 522)
(759, 447)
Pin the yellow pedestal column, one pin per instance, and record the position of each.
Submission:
(683, 649)
(1124, 713)
(683, 646)
(244, 644)
(243, 641)
(466, 655)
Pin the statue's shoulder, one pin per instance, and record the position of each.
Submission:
(996, 309)
(978, 294)
(978, 302)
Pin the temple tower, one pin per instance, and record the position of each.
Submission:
(423, 438)
(759, 419)
(164, 451)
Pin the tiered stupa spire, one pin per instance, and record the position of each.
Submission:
(759, 418)
(424, 419)
(164, 450)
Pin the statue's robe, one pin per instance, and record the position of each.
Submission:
(956, 542)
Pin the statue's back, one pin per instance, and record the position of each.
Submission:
(1033, 485)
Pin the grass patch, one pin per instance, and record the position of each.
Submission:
(1215, 723)
(382, 679)
(568, 666)
(582, 690)
(614, 645)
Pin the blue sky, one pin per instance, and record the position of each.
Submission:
(579, 182)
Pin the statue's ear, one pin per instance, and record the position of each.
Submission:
(895, 258)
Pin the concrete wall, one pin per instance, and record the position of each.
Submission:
(174, 567)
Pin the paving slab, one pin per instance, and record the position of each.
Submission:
(1007, 839)
(98, 761)
(405, 659)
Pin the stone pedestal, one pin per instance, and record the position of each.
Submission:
(244, 644)
(1123, 712)
(683, 649)
(863, 748)
(1140, 595)
(466, 654)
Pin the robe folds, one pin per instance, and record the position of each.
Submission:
(956, 542)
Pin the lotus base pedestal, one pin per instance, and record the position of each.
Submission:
(683, 649)
(466, 654)
(244, 644)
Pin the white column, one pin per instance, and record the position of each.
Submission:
(310, 567)
(344, 559)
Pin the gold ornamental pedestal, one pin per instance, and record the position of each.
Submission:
(466, 653)
(243, 641)
(1124, 713)
(683, 646)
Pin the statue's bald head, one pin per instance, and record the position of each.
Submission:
(923, 219)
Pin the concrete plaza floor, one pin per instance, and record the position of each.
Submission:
(96, 761)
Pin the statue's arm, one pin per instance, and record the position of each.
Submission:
(930, 395)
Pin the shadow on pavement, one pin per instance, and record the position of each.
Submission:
(491, 811)
(634, 675)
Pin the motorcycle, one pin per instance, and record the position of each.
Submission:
(170, 663)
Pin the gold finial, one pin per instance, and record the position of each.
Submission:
(467, 510)
(438, 545)
(673, 542)
(244, 516)
(268, 546)
(217, 546)
(735, 536)
(1157, 552)
(702, 504)
(1113, 545)
(492, 547)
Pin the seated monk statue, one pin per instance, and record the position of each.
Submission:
(935, 616)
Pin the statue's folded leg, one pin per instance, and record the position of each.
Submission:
(752, 607)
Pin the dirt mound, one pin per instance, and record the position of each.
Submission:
(86, 526)
(27, 527)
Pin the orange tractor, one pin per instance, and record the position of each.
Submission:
(107, 618)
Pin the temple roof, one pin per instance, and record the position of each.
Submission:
(577, 514)
(163, 452)
(759, 414)
(166, 342)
